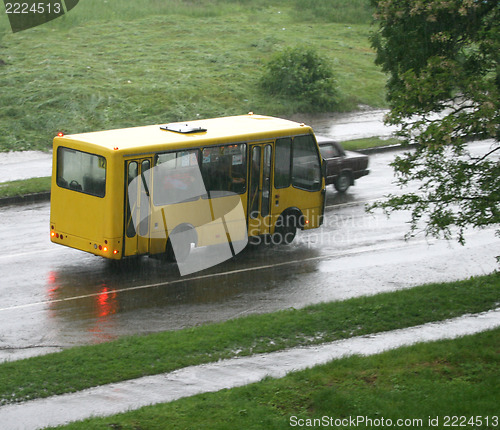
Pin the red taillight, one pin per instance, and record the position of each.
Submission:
(60, 134)
(115, 251)
(105, 248)
(52, 234)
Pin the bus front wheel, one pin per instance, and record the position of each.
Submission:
(286, 229)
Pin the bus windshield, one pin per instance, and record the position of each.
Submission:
(81, 171)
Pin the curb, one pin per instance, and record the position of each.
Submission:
(381, 149)
(26, 199)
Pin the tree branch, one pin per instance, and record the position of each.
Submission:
(478, 160)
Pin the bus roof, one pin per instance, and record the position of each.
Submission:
(243, 128)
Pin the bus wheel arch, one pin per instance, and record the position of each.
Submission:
(286, 226)
(184, 247)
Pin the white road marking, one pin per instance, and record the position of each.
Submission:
(343, 253)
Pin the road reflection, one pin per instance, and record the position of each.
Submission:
(334, 199)
(105, 299)
(105, 305)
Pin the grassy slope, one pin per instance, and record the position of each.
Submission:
(153, 62)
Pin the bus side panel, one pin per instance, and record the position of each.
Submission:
(309, 203)
(166, 219)
(206, 216)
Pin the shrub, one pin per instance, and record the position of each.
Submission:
(300, 75)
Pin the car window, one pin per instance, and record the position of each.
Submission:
(328, 151)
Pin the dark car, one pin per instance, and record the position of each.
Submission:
(342, 167)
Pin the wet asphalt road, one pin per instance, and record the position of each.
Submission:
(53, 297)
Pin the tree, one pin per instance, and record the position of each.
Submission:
(442, 60)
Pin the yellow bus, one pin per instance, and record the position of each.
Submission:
(126, 192)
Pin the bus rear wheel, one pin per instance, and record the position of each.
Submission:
(183, 246)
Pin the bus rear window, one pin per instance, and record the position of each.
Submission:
(81, 171)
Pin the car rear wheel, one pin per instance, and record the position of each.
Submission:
(343, 182)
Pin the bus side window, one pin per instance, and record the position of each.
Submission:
(176, 177)
(223, 169)
(238, 172)
(282, 162)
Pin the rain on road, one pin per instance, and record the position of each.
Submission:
(54, 297)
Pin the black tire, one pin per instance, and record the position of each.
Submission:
(343, 182)
(285, 230)
(183, 249)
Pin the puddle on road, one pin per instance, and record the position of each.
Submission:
(101, 301)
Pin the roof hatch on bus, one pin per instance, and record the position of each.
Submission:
(182, 127)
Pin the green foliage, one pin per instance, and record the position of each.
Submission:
(444, 89)
(303, 77)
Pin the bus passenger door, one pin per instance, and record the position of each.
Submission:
(259, 191)
(137, 206)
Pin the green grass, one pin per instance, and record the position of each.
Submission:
(370, 142)
(23, 187)
(119, 64)
(420, 383)
(131, 357)
(333, 11)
